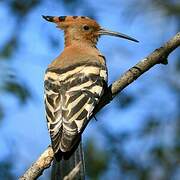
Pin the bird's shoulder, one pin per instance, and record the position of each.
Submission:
(75, 55)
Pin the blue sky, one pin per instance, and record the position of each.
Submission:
(24, 127)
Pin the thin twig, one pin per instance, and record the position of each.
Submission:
(73, 173)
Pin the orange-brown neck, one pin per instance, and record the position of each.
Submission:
(76, 38)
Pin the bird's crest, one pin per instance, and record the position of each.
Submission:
(64, 21)
(65, 18)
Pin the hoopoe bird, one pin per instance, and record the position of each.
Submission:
(75, 81)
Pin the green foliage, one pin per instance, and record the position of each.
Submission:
(171, 8)
(6, 170)
(150, 126)
(9, 47)
(1, 112)
(160, 157)
(17, 89)
(124, 100)
(98, 158)
(23, 7)
(12, 85)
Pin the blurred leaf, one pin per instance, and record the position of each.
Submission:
(18, 90)
(124, 100)
(1, 112)
(159, 153)
(150, 126)
(171, 8)
(9, 47)
(6, 169)
(72, 4)
(96, 160)
(178, 65)
(21, 8)
(115, 138)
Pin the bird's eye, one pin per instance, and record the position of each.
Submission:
(86, 28)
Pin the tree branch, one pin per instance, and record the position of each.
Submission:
(159, 56)
(74, 172)
(43, 162)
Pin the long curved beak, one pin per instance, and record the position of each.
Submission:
(103, 31)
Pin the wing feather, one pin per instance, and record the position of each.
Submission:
(70, 102)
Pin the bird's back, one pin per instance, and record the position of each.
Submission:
(77, 76)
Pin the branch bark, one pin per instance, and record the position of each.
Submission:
(159, 56)
(37, 168)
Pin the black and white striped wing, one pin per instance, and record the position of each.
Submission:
(79, 105)
(78, 95)
(53, 107)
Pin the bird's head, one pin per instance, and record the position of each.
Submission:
(81, 29)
